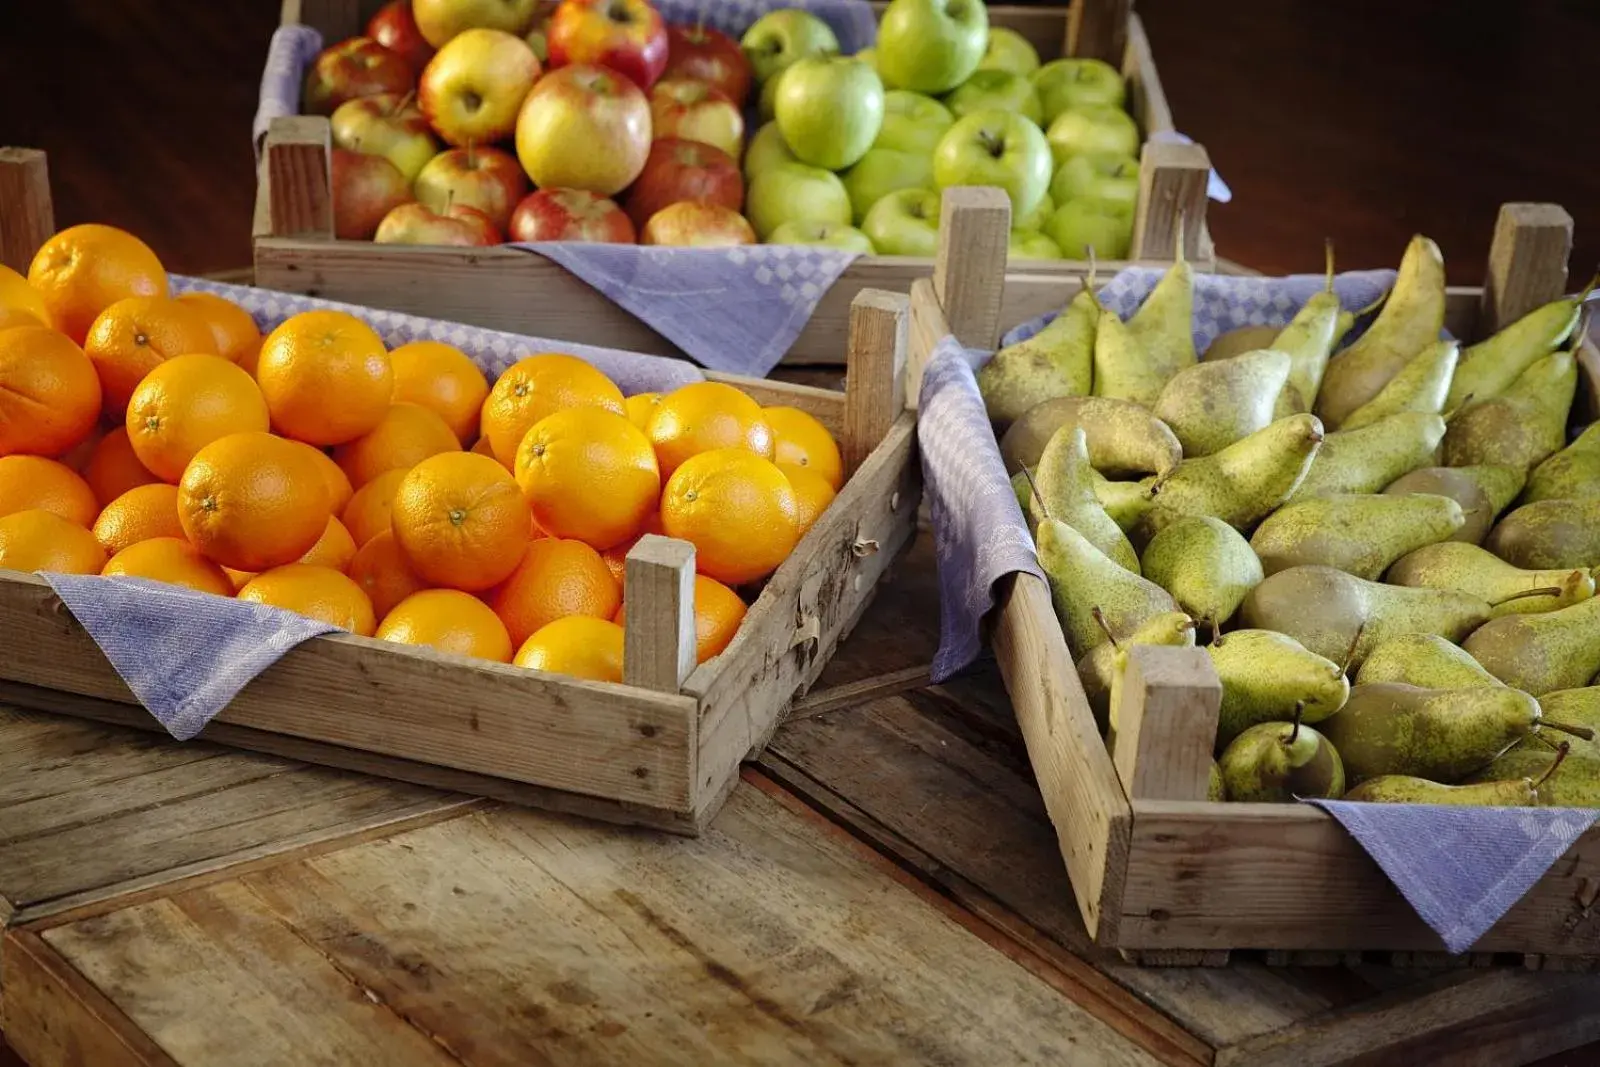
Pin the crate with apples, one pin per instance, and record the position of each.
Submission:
(451, 126)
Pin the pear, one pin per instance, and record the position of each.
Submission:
(1522, 425)
(1309, 339)
(1541, 653)
(1242, 483)
(1421, 385)
(1470, 569)
(1410, 321)
(1083, 578)
(1338, 615)
(1064, 491)
(1266, 675)
(1123, 438)
(1125, 502)
(1439, 734)
(1576, 707)
(1549, 535)
(1057, 361)
(1135, 360)
(1405, 789)
(1021, 486)
(1482, 491)
(1366, 460)
(1205, 564)
(1216, 789)
(1238, 341)
(1279, 762)
(1490, 366)
(1209, 406)
(1571, 474)
(1574, 783)
(1361, 533)
(1425, 660)
(1097, 668)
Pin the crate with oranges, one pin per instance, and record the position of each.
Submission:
(547, 591)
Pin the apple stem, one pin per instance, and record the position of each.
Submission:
(405, 102)
(472, 155)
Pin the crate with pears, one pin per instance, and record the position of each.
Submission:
(410, 153)
(565, 576)
(1303, 607)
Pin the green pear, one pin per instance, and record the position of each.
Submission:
(1205, 564)
(1405, 789)
(1489, 367)
(1279, 762)
(1244, 482)
(1361, 533)
(1097, 668)
(1442, 735)
(1366, 460)
(1574, 782)
(1410, 321)
(1541, 653)
(1211, 405)
(1549, 535)
(1126, 502)
(1238, 341)
(1522, 425)
(1576, 707)
(1064, 491)
(1024, 490)
(1123, 437)
(1421, 385)
(1057, 361)
(1470, 569)
(1266, 675)
(1483, 493)
(1340, 616)
(1309, 339)
(1135, 360)
(1216, 789)
(1425, 660)
(1083, 578)
(1571, 474)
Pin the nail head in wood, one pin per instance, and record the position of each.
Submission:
(1166, 723)
(300, 185)
(1527, 263)
(1172, 181)
(969, 270)
(27, 217)
(658, 645)
(1098, 29)
(874, 392)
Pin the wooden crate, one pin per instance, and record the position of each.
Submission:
(661, 749)
(1156, 869)
(514, 290)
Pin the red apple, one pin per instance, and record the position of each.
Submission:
(440, 20)
(472, 88)
(357, 67)
(570, 215)
(395, 27)
(413, 224)
(365, 189)
(698, 226)
(684, 170)
(485, 178)
(387, 125)
(711, 56)
(626, 35)
(584, 127)
(694, 111)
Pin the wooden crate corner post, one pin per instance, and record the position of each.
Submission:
(27, 215)
(334, 19)
(1098, 29)
(658, 644)
(1172, 186)
(1165, 723)
(1527, 263)
(875, 382)
(298, 178)
(964, 296)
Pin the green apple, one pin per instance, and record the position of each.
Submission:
(1009, 50)
(1031, 244)
(832, 234)
(830, 109)
(766, 148)
(869, 56)
(883, 171)
(779, 38)
(912, 122)
(1107, 175)
(992, 90)
(1103, 225)
(1064, 83)
(795, 192)
(931, 46)
(995, 148)
(904, 223)
(1035, 219)
(767, 104)
(1092, 128)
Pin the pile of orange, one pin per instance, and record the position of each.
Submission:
(393, 494)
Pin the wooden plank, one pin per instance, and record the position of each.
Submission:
(1172, 189)
(27, 217)
(1527, 261)
(300, 186)
(875, 395)
(334, 19)
(1098, 29)
(659, 636)
(1166, 723)
(1148, 100)
(969, 272)
(827, 406)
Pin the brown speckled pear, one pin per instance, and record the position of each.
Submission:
(1123, 437)
(1211, 405)
(1425, 660)
(1521, 426)
(1550, 534)
(1065, 491)
(1489, 367)
(1442, 735)
(1244, 482)
(1205, 564)
(1125, 502)
(1083, 578)
(1483, 493)
(1135, 360)
(1280, 762)
(1361, 533)
(1366, 460)
(1238, 341)
(1405, 789)
(1097, 668)
(1541, 653)
(1470, 569)
(1571, 474)
(1421, 385)
(1266, 675)
(1055, 362)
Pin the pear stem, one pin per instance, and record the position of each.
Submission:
(1327, 251)
(1299, 713)
(1544, 590)
(1561, 754)
(1588, 290)
(1350, 653)
(1458, 409)
(1567, 728)
(1177, 256)
(1033, 488)
(1105, 627)
(1094, 270)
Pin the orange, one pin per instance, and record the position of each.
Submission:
(238, 578)
(20, 303)
(251, 501)
(49, 394)
(315, 592)
(338, 484)
(237, 336)
(482, 447)
(39, 540)
(326, 377)
(141, 513)
(134, 336)
(369, 511)
(407, 435)
(703, 416)
(461, 520)
(640, 407)
(538, 386)
(83, 270)
(812, 493)
(28, 482)
(113, 469)
(718, 611)
(77, 457)
(738, 511)
(799, 438)
(450, 621)
(186, 403)
(589, 473)
(172, 560)
(577, 646)
(334, 549)
(381, 570)
(444, 379)
(556, 578)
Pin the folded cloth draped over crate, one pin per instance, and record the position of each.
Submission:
(1461, 869)
(186, 654)
(732, 310)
